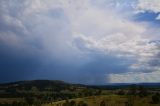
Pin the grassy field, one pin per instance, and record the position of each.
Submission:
(10, 100)
(110, 100)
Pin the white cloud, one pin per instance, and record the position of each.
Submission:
(101, 27)
(149, 5)
(134, 77)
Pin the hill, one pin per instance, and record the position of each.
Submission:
(43, 91)
(57, 93)
(38, 84)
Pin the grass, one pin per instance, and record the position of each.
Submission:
(10, 100)
(111, 100)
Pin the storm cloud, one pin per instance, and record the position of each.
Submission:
(86, 41)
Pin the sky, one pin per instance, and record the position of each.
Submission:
(80, 41)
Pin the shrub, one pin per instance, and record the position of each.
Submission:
(72, 103)
(130, 101)
(156, 98)
(143, 91)
(66, 103)
(121, 92)
(103, 103)
(81, 103)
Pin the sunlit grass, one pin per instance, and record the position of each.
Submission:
(110, 100)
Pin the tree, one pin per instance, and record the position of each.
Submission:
(98, 92)
(130, 101)
(142, 91)
(87, 92)
(72, 103)
(103, 103)
(81, 103)
(66, 103)
(121, 92)
(29, 100)
(156, 98)
(133, 89)
(15, 103)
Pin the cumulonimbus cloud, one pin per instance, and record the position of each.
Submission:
(76, 35)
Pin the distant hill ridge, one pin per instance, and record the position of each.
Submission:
(59, 83)
(35, 82)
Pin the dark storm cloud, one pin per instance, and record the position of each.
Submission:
(101, 66)
(20, 65)
(63, 40)
(16, 65)
(23, 53)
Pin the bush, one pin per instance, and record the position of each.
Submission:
(130, 101)
(143, 91)
(66, 103)
(81, 103)
(103, 103)
(29, 100)
(133, 90)
(72, 103)
(156, 98)
(121, 92)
